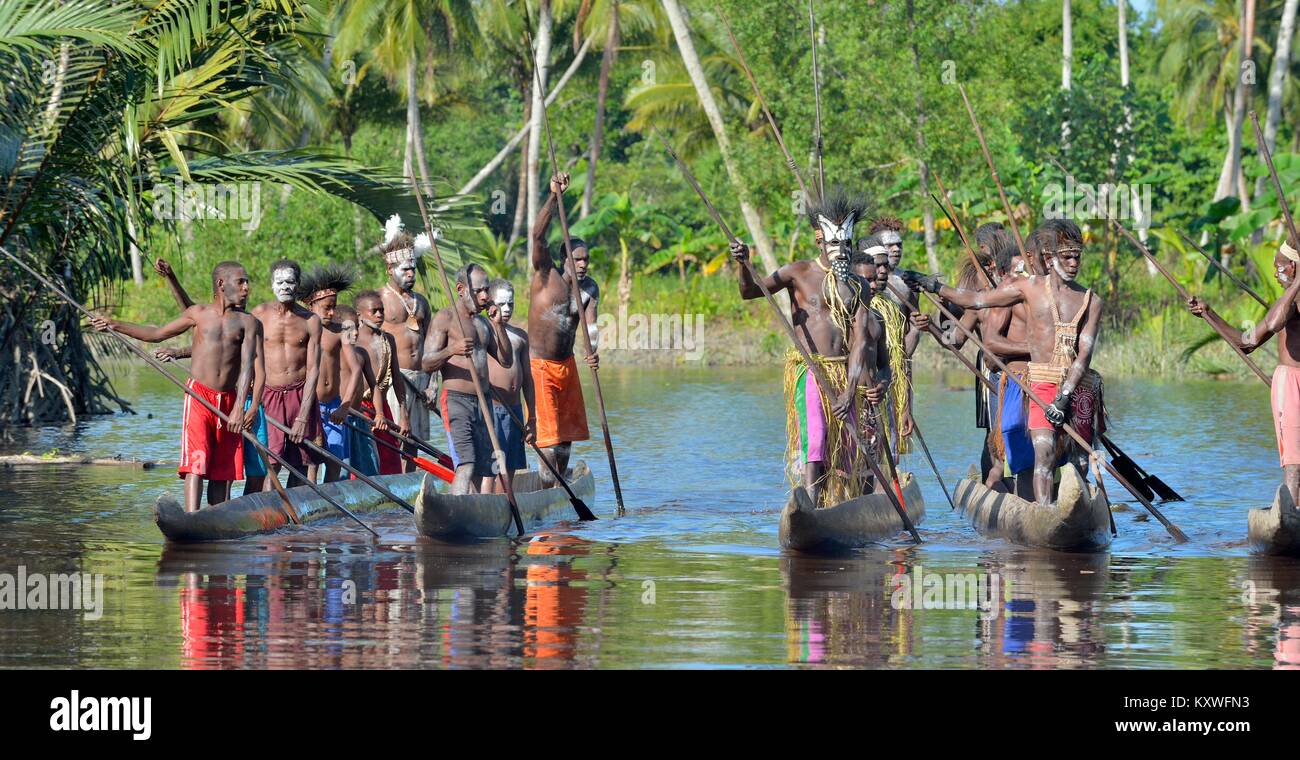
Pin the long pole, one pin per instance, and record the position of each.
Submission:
(1272, 172)
(933, 467)
(576, 295)
(1219, 267)
(498, 458)
(579, 506)
(1029, 393)
(1182, 292)
(822, 380)
(1036, 262)
(961, 232)
(151, 361)
(817, 97)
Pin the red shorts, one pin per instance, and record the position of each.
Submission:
(1037, 419)
(390, 462)
(207, 448)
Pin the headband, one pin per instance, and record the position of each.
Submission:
(876, 250)
(325, 293)
(1289, 252)
(889, 237)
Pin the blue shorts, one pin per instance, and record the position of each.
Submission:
(337, 440)
(364, 456)
(253, 467)
(1015, 430)
(510, 435)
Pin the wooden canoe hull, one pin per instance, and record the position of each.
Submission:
(848, 525)
(264, 513)
(1275, 530)
(1079, 521)
(479, 515)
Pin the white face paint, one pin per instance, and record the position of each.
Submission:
(284, 281)
(1060, 271)
(404, 273)
(837, 237)
(505, 302)
(349, 332)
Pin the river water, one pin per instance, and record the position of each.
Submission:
(692, 576)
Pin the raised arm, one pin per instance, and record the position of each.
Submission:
(1274, 320)
(161, 266)
(781, 279)
(541, 253)
(1008, 293)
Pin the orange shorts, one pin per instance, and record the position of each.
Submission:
(561, 412)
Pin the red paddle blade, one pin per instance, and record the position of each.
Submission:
(435, 469)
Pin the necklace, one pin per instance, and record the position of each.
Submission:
(412, 323)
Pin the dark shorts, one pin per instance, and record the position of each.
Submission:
(467, 432)
(510, 435)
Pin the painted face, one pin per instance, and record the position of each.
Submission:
(349, 330)
(504, 298)
(478, 297)
(324, 307)
(235, 288)
(404, 273)
(373, 314)
(894, 242)
(837, 239)
(284, 281)
(1283, 269)
(1066, 263)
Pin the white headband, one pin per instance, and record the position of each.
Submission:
(876, 250)
(889, 237)
(1289, 252)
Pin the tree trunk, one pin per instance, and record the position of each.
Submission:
(1067, 62)
(537, 135)
(691, 60)
(927, 215)
(1229, 177)
(415, 131)
(1277, 81)
(602, 93)
(521, 196)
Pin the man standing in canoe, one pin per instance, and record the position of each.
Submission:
(884, 302)
(553, 324)
(319, 291)
(222, 370)
(1283, 320)
(449, 352)
(255, 462)
(510, 385)
(1064, 320)
(380, 348)
(359, 391)
(829, 314)
(406, 318)
(888, 231)
(291, 338)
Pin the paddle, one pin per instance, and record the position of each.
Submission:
(435, 469)
(1182, 292)
(1035, 263)
(443, 459)
(1174, 530)
(820, 376)
(575, 293)
(579, 506)
(151, 361)
(498, 458)
(1219, 267)
(1122, 462)
(889, 455)
(921, 439)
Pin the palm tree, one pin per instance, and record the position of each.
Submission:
(139, 88)
(694, 68)
(1232, 173)
(404, 37)
(1277, 75)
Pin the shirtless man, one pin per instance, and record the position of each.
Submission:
(359, 388)
(319, 291)
(830, 317)
(888, 231)
(406, 318)
(255, 462)
(898, 328)
(449, 352)
(1282, 320)
(511, 385)
(553, 323)
(380, 347)
(222, 370)
(291, 338)
(1064, 320)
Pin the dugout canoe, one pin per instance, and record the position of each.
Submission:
(1079, 521)
(263, 512)
(487, 515)
(850, 524)
(1275, 530)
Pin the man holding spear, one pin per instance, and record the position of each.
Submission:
(1064, 321)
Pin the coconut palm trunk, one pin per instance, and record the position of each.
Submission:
(1230, 177)
(542, 55)
(414, 130)
(1277, 80)
(1067, 63)
(927, 214)
(691, 60)
(602, 94)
